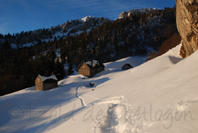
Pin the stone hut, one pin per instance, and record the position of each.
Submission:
(90, 68)
(126, 66)
(46, 83)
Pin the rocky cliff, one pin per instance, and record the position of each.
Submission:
(136, 11)
(123, 15)
(187, 24)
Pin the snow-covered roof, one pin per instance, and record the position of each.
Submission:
(50, 77)
(88, 63)
(92, 63)
(95, 61)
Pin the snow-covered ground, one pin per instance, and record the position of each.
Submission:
(158, 96)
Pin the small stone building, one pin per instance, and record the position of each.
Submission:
(90, 68)
(46, 83)
(126, 66)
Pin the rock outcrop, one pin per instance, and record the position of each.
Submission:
(123, 15)
(187, 24)
(136, 11)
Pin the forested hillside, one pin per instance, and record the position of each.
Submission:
(137, 34)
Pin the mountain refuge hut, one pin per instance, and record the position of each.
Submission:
(126, 66)
(46, 83)
(90, 68)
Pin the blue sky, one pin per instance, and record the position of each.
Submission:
(25, 15)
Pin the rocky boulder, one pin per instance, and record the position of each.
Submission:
(187, 24)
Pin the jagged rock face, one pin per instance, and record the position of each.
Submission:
(187, 24)
(136, 11)
(123, 15)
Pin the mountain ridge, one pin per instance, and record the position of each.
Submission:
(72, 27)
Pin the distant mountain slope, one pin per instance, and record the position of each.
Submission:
(73, 27)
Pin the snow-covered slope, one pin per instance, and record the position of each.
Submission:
(158, 96)
(70, 28)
